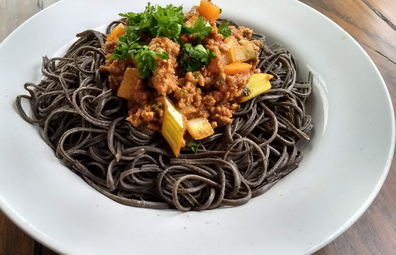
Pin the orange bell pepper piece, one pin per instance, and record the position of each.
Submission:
(237, 67)
(209, 10)
(117, 32)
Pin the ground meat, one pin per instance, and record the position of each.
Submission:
(213, 124)
(217, 95)
(200, 114)
(257, 45)
(207, 93)
(245, 32)
(141, 94)
(227, 91)
(201, 79)
(135, 116)
(215, 66)
(215, 39)
(235, 84)
(221, 114)
(116, 69)
(208, 101)
(240, 33)
(188, 96)
(164, 78)
(149, 115)
(110, 46)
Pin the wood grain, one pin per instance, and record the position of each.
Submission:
(375, 231)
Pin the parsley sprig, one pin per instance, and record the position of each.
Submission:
(224, 30)
(147, 60)
(160, 21)
(128, 45)
(193, 59)
(201, 28)
(194, 145)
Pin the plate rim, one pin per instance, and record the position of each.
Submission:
(23, 224)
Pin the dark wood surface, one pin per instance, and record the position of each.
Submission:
(375, 231)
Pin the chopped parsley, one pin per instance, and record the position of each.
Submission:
(196, 76)
(128, 45)
(200, 28)
(193, 59)
(147, 62)
(158, 21)
(194, 145)
(224, 30)
(168, 22)
(184, 91)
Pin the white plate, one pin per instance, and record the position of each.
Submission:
(345, 164)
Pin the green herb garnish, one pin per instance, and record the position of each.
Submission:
(200, 28)
(224, 30)
(194, 145)
(196, 76)
(193, 59)
(184, 91)
(147, 62)
(158, 21)
(128, 45)
(168, 22)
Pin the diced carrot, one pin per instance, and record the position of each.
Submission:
(237, 67)
(209, 10)
(128, 85)
(117, 32)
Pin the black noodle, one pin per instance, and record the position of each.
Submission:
(84, 123)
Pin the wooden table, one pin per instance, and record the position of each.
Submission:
(375, 231)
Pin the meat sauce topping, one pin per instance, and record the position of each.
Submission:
(211, 91)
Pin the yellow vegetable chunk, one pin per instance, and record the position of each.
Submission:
(259, 83)
(226, 58)
(231, 40)
(242, 53)
(173, 127)
(129, 83)
(117, 32)
(191, 21)
(199, 128)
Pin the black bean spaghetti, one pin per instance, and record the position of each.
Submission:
(84, 123)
